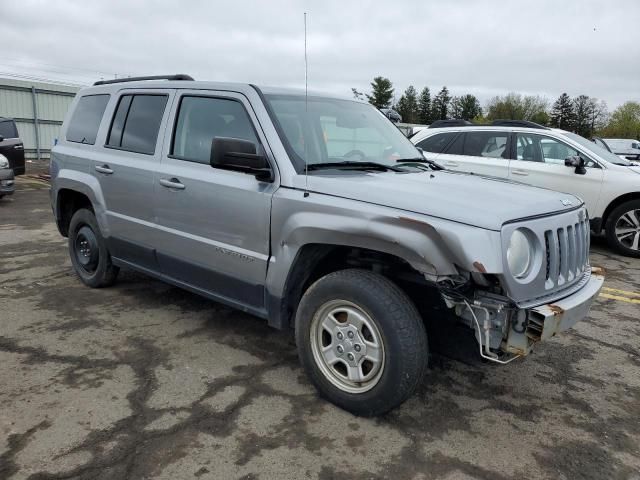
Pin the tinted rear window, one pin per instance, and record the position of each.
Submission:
(136, 123)
(436, 143)
(8, 129)
(86, 118)
(486, 144)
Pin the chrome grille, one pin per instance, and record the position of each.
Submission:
(567, 253)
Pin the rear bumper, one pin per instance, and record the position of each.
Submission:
(7, 184)
(544, 321)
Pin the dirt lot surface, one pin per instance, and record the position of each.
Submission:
(143, 380)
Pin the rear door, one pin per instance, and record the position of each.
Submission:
(126, 167)
(484, 152)
(11, 146)
(213, 224)
(539, 160)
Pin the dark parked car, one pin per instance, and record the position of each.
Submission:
(11, 146)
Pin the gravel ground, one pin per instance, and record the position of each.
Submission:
(143, 380)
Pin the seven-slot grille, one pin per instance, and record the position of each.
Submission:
(567, 253)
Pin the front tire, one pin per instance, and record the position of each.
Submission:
(88, 251)
(361, 341)
(623, 228)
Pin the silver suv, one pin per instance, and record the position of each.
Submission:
(316, 214)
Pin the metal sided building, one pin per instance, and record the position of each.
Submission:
(38, 109)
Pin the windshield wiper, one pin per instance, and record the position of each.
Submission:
(353, 165)
(431, 163)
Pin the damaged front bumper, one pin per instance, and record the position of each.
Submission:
(503, 328)
(544, 321)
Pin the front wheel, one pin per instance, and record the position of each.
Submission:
(623, 228)
(361, 341)
(88, 251)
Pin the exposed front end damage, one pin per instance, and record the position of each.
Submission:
(505, 330)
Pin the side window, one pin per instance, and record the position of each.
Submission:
(85, 121)
(8, 129)
(555, 152)
(200, 119)
(486, 144)
(136, 123)
(538, 148)
(436, 143)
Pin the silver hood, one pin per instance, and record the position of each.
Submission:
(484, 202)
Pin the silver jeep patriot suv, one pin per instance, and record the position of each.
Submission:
(316, 214)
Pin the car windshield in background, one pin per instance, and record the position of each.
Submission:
(331, 131)
(598, 150)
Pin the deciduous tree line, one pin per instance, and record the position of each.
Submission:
(584, 115)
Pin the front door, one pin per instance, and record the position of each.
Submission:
(213, 224)
(539, 161)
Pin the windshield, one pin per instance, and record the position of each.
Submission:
(598, 150)
(327, 130)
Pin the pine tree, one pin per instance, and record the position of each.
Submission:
(562, 114)
(381, 92)
(440, 105)
(469, 107)
(582, 109)
(424, 106)
(407, 106)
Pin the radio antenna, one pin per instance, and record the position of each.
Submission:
(306, 109)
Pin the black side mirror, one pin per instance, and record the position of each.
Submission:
(241, 156)
(577, 162)
(1, 138)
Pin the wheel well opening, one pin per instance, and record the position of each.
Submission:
(315, 261)
(68, 203)
(616, 203)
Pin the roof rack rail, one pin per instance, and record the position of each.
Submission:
(178, 76)
(450, 123)
(517, 123)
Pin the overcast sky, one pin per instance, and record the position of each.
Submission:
(480, 47)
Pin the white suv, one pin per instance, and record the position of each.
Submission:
(549, 158)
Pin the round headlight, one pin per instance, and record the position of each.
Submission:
(519, 254)
(4, 163)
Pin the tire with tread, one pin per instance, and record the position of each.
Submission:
(401, 327)
(105, 273)
(610, 228)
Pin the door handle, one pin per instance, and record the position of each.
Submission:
(172, 183)
(523, 173)
(104, 169)
(18, 147)
(451, 164)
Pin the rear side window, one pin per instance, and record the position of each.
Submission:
(436, 143)
(200, 119)
(8, 129)
(486, 144)
(85, 121)
(136, 123)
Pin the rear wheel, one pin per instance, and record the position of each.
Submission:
(89, 255)
(361, 341)
(623, 228)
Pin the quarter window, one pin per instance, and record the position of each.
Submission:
(436, 143)
(136, 123)
(200, 119)
(85, 121)
(486, 144)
